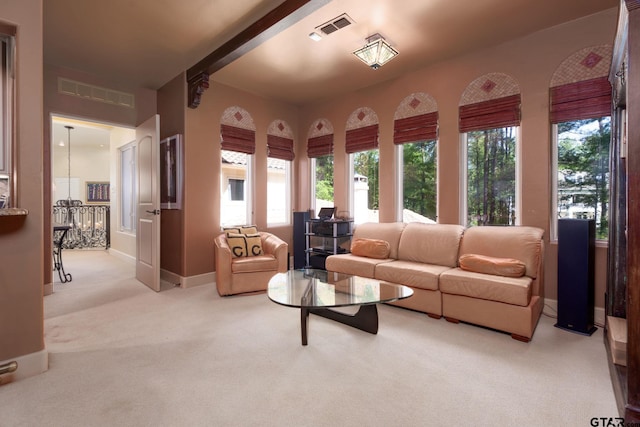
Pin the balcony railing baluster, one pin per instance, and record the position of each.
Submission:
(90, 224)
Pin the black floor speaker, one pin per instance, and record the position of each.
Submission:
(576, 264)
(299, 239)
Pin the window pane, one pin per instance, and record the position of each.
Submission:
(324, 181)
(235, 194)
(365, 186)
(127, 188)
(491, 177)
(419, 189)
(583, 171)
(278, 191)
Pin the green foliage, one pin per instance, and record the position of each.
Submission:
(419, 185)
(583, 167)
(366, 163)
(324, 177)
(491, 177)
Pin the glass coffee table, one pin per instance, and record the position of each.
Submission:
(317, 291)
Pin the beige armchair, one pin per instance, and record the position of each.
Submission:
(249, 274)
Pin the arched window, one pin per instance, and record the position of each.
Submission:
(580, 114)
(280, 154)
(238, 144)
(320, 152)
(489, 120)
(361, 144)
(415, 133)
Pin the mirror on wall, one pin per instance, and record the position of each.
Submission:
(7, 77)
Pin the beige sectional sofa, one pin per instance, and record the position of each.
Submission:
(427, 258)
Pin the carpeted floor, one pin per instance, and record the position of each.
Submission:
(123, 355)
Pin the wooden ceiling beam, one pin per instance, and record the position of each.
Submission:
(282, 17)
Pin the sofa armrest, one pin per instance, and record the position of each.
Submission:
(222, 259)
(273, 245)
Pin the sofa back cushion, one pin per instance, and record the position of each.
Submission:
(518, 242)
(431, 243)
(387, 231)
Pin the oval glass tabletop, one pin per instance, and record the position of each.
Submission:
(318, 288)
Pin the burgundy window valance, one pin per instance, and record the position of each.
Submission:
(416, 128)
(495, 113)
(587, 99)
(279, 147)
(320, 146)
(362, 139)
(238, 139)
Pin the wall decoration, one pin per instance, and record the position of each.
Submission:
(98, 192)
(171, 172)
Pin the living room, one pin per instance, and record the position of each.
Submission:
(530, 60)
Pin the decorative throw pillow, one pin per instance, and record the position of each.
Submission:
(370, 248)
(507, 267)
(244, 245)
(240, 229)
(231, 230)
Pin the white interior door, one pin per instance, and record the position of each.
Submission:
(148, 207)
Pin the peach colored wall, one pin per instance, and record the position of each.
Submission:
(202, 169)
(171, 106)
(21, 240)
(531, 61)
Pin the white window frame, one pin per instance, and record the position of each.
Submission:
(248, 191)
(463, 178)
(399, 180)
(350, 177)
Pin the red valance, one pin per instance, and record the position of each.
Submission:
(587, 99)
(495, 113)
(416, 128)
(279, 147)
(238, 139)
(362, 139)
(320, 146)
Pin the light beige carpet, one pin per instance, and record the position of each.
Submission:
(123, 355)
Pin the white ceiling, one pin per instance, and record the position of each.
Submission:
(148, 42)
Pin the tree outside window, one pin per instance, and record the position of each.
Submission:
(366, 185)
(491, 177)
(419, 193)
(324, 180)
(583, 171)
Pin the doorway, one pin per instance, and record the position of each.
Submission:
(87, 187)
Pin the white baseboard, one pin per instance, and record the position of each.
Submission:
(552, 304)
(123, 256)
(29, 365)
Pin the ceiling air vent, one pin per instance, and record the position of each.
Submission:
(335, 24)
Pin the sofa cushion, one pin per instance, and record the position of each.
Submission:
(244, 245)
(370, 248)
(413, 274)
(254, 264)
(436, 244)
(388, 231)
(491, 265)
(509, 290)
(518, 242)
(353, 264)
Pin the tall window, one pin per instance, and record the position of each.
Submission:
(361, 143)
(238, 145)
(419, 181)
(415, 130)
(7, 53)
(322, 168)
(280, 155)
(365, 186)
(582, 164)
(489, 126)
(235, 204)
(320, 153)
(128, 193)
(491, 177)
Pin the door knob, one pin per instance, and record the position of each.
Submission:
(154, 212)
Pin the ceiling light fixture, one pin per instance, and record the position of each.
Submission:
(376, 52)
(315, 37)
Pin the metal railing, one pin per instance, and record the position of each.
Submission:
(90, 224)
